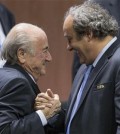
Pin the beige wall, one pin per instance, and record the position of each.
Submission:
(48, 14)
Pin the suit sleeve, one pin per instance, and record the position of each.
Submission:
(56, 124)
(17, 115)
(117, 102)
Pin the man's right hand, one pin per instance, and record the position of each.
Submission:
(48, 103)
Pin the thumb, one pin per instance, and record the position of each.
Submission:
(50, 93)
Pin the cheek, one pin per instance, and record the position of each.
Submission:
(81, 53)
(76, 45)
(40, 57)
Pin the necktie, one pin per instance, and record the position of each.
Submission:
(75, 107)
(0, 49)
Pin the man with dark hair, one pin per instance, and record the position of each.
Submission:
(94, 102)
(113, 6)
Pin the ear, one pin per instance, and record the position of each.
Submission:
(89, 36)
(21, 54)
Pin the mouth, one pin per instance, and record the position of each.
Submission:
(44, 63)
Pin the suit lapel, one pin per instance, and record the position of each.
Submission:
(95, 72)
(75, 88)
(19, 68)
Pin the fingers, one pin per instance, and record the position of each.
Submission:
(48, 102)
(49, 105)
(50, 93)
(39, 107)
(41, 99)
(57, 110)
(44, 96)
(56, 96)
(49, 112)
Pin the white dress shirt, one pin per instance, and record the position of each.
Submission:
(39, 112)
(2, 38)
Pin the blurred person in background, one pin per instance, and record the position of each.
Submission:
(7, 21)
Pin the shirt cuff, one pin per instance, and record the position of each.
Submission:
(42, 117)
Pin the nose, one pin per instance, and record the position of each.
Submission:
(48, 57)
(69, 47)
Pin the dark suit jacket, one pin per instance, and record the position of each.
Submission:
(17, 96)
(6, 18)
(113, 6)
(99, 108)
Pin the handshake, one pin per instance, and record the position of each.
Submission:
(48, 103)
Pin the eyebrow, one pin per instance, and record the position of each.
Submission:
(47, 47)
(67, 36)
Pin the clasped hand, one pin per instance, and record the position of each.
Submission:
(48, 103)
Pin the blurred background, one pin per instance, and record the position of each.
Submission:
(49, 15)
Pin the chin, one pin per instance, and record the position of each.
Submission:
(82, 62)
(43, 72)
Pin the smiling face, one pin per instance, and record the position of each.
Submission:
(41, 56)
(35, 62)
(73, 43)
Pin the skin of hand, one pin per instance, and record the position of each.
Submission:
(48, 102)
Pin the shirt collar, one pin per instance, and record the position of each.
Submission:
(103, 51)
(32, 77)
